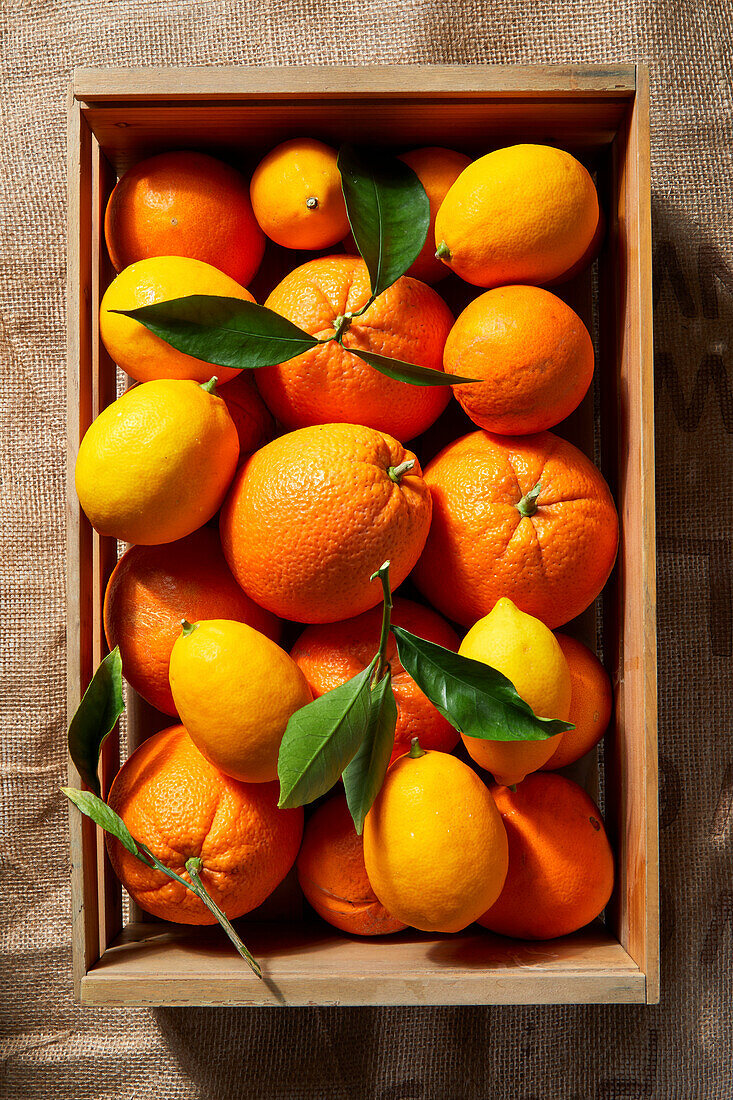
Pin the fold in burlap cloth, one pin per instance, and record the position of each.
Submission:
(682, 1048)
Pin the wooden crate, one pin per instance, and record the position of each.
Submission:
(118, 116)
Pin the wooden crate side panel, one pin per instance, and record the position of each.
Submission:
(425, 81)
(154, 964)
(104, 392)
(79, 550)
(630, 602)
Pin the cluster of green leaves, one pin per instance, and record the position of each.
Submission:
(389, 215)
(349, 731)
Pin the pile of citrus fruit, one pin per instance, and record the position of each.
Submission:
(253, 604)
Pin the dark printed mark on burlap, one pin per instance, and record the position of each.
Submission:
(723, 814)
(719, 590)
(670, 792)
(712, 376)
(639, 1087)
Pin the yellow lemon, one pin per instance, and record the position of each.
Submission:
(525, 214)
(156, 464)
(528, 654)
(435, 846)
(132, 346)
(235, 691)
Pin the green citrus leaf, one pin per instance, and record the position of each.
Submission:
(388, 211)
(102, 815)
(224, 331)
(409, 372)
(96, 715)
(475, 698)
(320, 740)
(364, 776)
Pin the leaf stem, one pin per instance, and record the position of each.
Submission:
(187, 627)
(416, 749)
(210, 386)
(193, 866)
(383, 574)
(396, 473)
(527, 506)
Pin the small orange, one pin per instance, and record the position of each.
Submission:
(437, 169)
(591, 701)
(313, 514)
(494, 533)
(333, 877)
(329, 384)
(560, 862)
(153, 588)
(532, 352)
(251, 417)
(184, 204)
(175, 802)
(296, 195)
(330, 654)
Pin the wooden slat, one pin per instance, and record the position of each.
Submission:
(79, 569)
(161, 964)
(105, 549)
(630, 602)
(329, 81)
(129, 132)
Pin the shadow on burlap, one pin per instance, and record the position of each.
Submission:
(680, 1049)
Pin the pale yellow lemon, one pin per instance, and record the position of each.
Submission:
(435, 847)
(527, 653)
(235, 691)
(155, 465)
(133, 347)
(524, 214)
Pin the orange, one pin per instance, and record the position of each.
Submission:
(155, 464)
(525, 214)
(330, 654)
(176, 803)
(139, 352)
(491, 538)
(532, 352)
(312, 515)
(152, 588)
(528, 654)
(591, 701)
(296, 195)
(435, 848)
(184, 204)
(333, 877)
(248, 411)
(560, 862)
(409, 321)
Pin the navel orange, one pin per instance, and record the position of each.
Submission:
(175, 802)
(153, 588)
(331, 653)
(528, 517)
(313, 514)
(532, 352)
(591, 701)
(184, 204)
(333, 877)
(330, 384)
(560, 862)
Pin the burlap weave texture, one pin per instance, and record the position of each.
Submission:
(680, 1049)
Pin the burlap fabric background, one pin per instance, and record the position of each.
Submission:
(681, 1048)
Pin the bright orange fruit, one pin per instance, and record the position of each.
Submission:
(591, 701)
